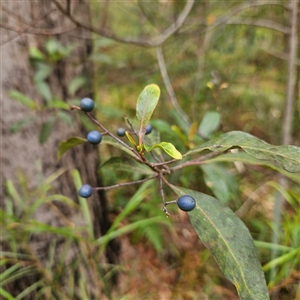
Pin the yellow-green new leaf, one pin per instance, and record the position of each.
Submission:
(167, 147)
(131, 140)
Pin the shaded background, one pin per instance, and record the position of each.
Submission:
(239, 59)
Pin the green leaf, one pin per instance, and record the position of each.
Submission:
(220, 181)
(129, 228)
(76, 84)
(286, 156)
(68, 144)
(167, 147)
(46, 130)
(44, 90)
(36, 54)
(65, 116)
(146, 104)
(128, 165)
(21, 124)
(209, 123)
(101, 58)
(230, 243)
(248, 159)
(110, 141)
(58, 104)
(14, 94)
(42, 72)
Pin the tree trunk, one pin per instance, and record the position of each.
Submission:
(22, 151)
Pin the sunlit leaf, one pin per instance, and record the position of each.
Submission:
(68, 144)
(230, 243)
(146, 104)
(286, 156)
(167, 147)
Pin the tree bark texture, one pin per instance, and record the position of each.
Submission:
(22, 151)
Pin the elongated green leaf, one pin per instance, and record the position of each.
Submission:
(130, 138)
(44, 90)
(167, 147)
(209, 123)
(110, 141)
(248, 159)
(128, 165)
(129, 228)
(145, 106)
(76, 84)
(230, 242)
(223, 184)
(68, 144)
(46, 130)
(57, 103)
(287, 156)
(22, 98)
(21, 124)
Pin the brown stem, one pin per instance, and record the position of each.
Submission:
(105, 188)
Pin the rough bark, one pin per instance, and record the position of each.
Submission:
(22, 151)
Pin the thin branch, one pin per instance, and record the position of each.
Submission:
(161, 190)
(33, 23)
(281, 55)
(35, 31)
(244, 6)
(164, 74)
(113, 136)
(105, 188)
(198, 161)
(144, 42)
(291, 79)
(260, 23)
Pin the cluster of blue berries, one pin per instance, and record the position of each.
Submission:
(185, 202)
(121, 131)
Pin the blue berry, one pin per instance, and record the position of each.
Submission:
(186, 203)
(87, 104)
(94, 137)
(121, 131)
(148, 128)
(85, 191)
